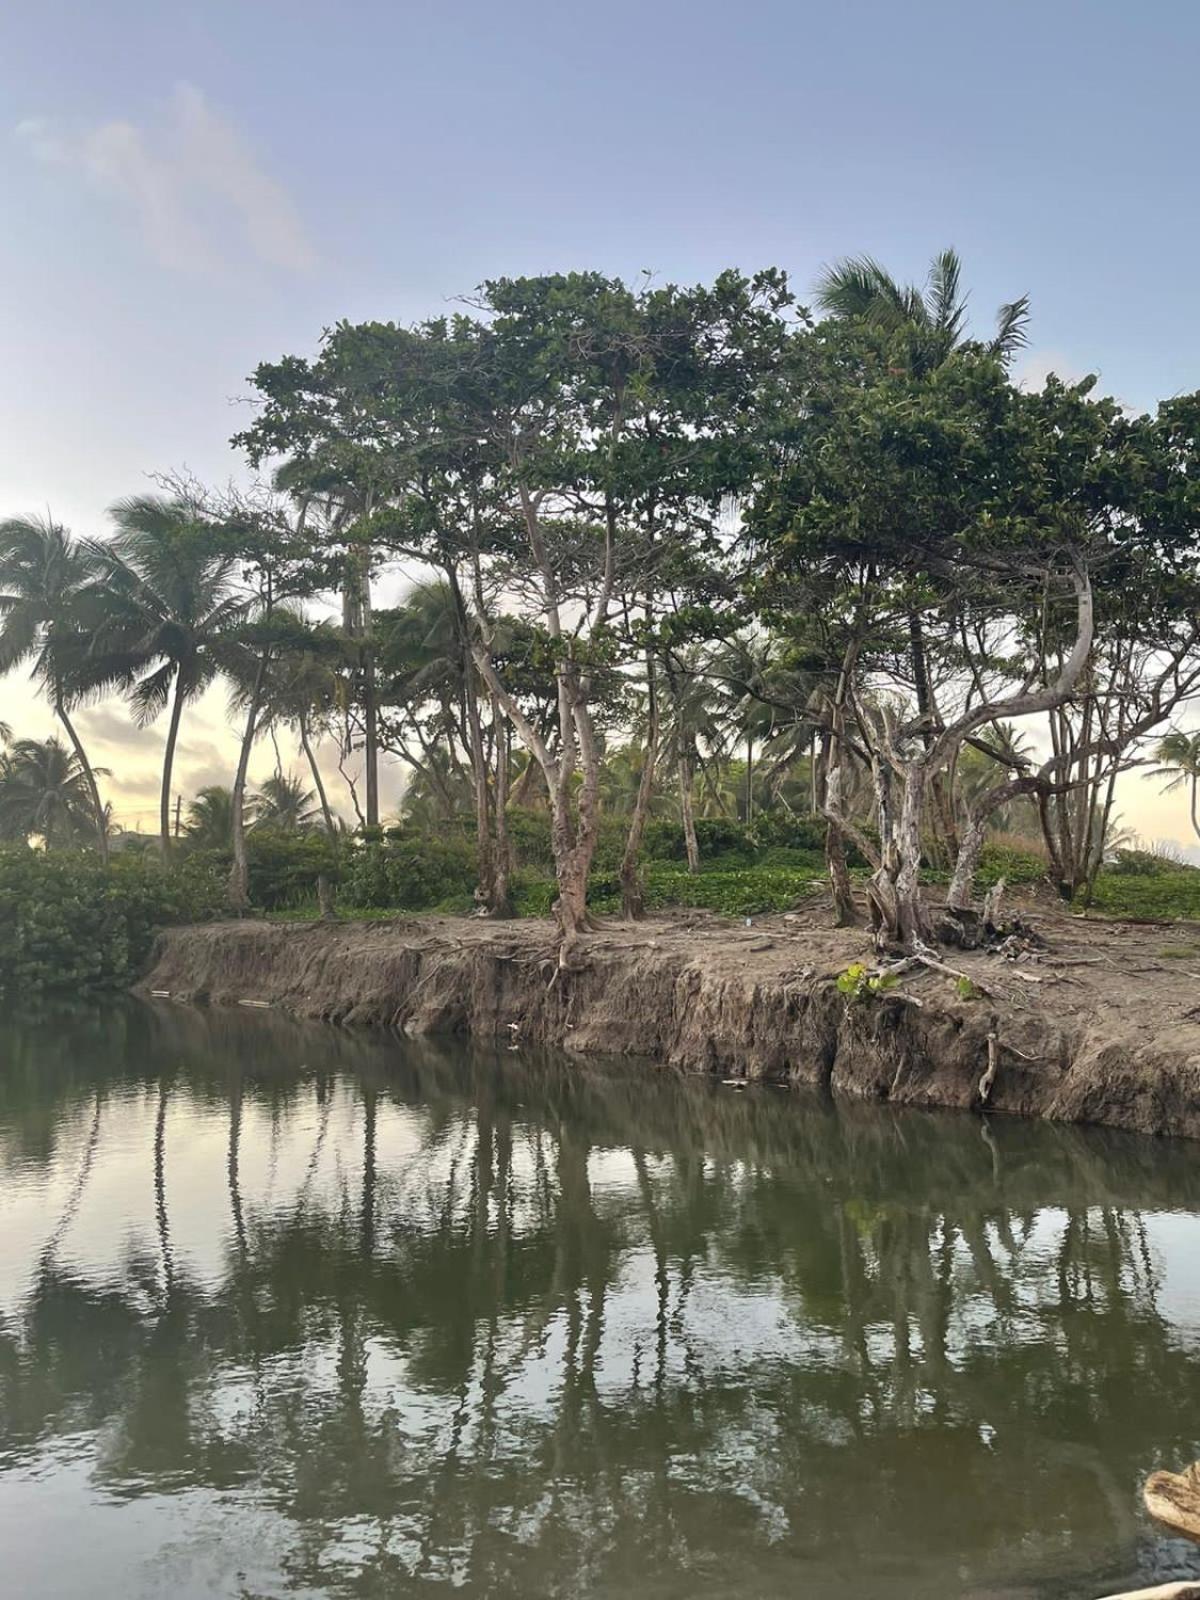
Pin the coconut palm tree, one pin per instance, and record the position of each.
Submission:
(302, 692)
(1179, 754)
(860, 289)
(44, 576)
(166, 597)
(284, 803)
(45, 793)
(209, 822)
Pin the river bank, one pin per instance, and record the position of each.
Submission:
(1101, 1025)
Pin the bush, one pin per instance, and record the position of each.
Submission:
(410, 872)
(1013, 864)
(1142, 863)
(68, 923)
(284, 866)
(1166, 893)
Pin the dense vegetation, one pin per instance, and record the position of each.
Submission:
(720, 599)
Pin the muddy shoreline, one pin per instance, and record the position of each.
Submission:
(1102, 1026)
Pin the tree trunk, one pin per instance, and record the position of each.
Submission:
(962, 882)
(89, 776)
(371, 738)
(898, 912)
(502, 905)
(485, 889)
(690, 843)
(239, 871)
(164, 808)
(749, 779)
(318, 781)
(829, 784)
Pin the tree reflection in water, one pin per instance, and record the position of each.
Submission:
(400, 1317)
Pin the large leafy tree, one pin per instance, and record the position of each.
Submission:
(166, 597)
(45, 577)
(947, 495)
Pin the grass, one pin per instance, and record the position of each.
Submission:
(1138, 889)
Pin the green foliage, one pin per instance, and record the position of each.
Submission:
(410, 872)
(998, 861)
(858, 983)
(69, 924)
(1170, 892)
(1137, 863)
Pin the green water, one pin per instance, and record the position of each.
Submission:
(289, 1311)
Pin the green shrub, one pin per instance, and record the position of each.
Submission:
(1144, 864)
(1170, 893)
(68, 923)
(410, 872)
(998, 861)
(285, 865)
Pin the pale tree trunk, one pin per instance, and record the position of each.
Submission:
(897, 910)
(485, 889)
(686, 815)
(830, 780)
(966, 863)
(164, 806)
(633, 898)
(898, 913)
(828, 771)
(89, 777)
(239, 872)
(502, 854)
(318, 781)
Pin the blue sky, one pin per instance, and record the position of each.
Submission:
(191, 188)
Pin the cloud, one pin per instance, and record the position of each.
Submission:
(192, 182)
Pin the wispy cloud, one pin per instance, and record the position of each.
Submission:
(195, 186)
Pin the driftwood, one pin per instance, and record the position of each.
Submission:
(1173, 1499)
(1163, 1591)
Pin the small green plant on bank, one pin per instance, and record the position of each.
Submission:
(858, 982)
(965, 989)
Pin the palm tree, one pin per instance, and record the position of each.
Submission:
(302, 692)
(1180, 757)
(45, 793)
(284, 803)
(44, 576)
(166, 596)
(209, 823)
(860, 289)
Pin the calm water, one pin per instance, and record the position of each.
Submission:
(286, 1311)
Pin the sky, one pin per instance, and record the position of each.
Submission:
(190, 189)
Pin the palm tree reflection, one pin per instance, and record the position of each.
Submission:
(530, 1329)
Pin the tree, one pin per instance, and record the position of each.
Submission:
(284, 803)
(932, 320)
(44, 576)
(303, 691)
(1179, 762)
(45, 793)
(209, 824)
(165, 596)
(945, 495)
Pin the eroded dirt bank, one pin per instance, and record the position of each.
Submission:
(1103, 1025)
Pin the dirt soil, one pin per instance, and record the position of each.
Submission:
(1100, 1025)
